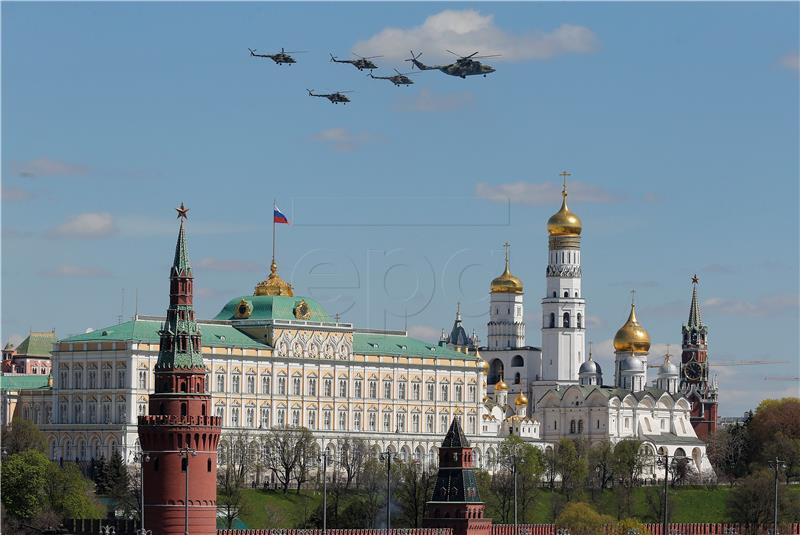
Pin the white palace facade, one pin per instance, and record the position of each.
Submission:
(275, 359)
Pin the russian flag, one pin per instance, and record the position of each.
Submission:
(278, 216)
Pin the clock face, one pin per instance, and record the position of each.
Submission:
(693, 371)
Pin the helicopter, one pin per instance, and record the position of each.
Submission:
(280, 57)
(463, 67)
(361, 63)
(397, 79)
(336, 97)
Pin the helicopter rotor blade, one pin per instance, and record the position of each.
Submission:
(489, 56)
(252, 51)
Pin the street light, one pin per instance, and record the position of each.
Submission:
(663, 460)
(387, 456)
(323, 458)
(777, 464)
(185, 454)
(142, 457)
(107, 530)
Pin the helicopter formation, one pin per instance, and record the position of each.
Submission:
(462, 67)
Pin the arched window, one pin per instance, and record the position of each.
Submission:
(517, 378)
(566, 294)
(572, 426)
(566, 319)
(554, 294)
(580, 426)
(517, 361)
(579, 322)
(183, 409)
(552, 320)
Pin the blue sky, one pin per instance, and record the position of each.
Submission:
(679, 122)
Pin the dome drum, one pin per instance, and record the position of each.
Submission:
(564, 242)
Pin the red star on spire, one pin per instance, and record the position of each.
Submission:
(183, 212)
(695, 279)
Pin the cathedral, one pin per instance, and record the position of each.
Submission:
(543, 394)
(273, 359)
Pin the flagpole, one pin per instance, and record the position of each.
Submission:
(274, 205)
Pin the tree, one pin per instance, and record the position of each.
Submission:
(352, 454)
(283, 453)
(728, 452)
(571, 464)
(40, 493)
(23, 435)
(516, 454)
(412, 491)
(774, 431)
(582, 519)
(600, 464)
(24, 480)
(627, 465)
(307, 453)
(752, 500)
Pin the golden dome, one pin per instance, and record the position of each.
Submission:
(485, 367)
(274, 285)
(500, 386)
(632, 336)
(564, 222)
(521, 400)
(506, 282)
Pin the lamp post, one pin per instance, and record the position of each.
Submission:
(142, 457)
(187, 453)
(776, 465)
(387, 456)
(663, 458)
(323, 458)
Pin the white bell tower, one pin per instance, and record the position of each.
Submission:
(563, 307)
(506, 327)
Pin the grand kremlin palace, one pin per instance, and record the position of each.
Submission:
(275, 359)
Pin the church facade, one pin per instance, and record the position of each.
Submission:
(274, 359)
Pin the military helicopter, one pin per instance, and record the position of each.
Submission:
(463, 67)
(397, 79)
(336, 97)
(361, 63)
(280, 57)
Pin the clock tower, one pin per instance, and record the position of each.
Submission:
(695, 383)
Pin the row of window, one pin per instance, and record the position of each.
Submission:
(327, 390)
(92, 378)
(566, 322)
(323, 420)
(92, 413)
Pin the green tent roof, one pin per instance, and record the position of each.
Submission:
(400, 345)
(146, 330)
(12, 382)
(37, 344)
(273, 307)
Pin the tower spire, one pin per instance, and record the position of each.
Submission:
(694, 308)
(180, 334)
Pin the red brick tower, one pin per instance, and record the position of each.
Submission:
(179, 434)
(456, 503)
(695, 383)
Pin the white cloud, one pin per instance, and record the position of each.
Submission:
(763, 306)
(342, 139)
(86, 225)
(217, 264)
(424, 332)
(466, 31)
(428, 101)
(791, 61)
(48, 167)
(543, 193)
(70, 271)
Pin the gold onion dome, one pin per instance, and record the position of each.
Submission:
(274, 284)
(564, 222)
(521, 400)
(506, 282)
(484, 367)
(500, 386)
(632, 336)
